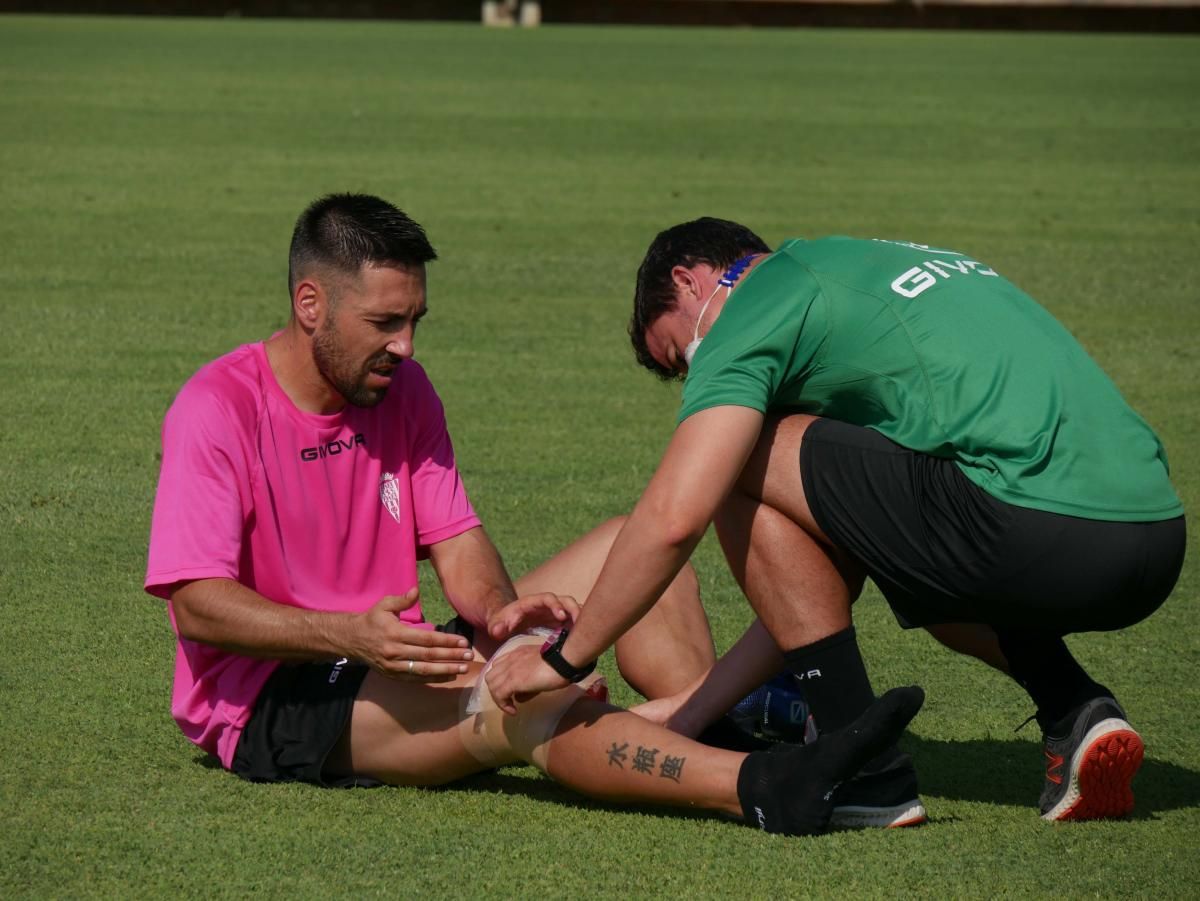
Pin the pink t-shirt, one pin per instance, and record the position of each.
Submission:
(323, 512)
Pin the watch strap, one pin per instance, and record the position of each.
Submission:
(552, 654)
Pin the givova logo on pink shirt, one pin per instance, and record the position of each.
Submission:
(389, 494)
(332, 448)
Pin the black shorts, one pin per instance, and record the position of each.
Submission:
(942, 550)
(299, 716)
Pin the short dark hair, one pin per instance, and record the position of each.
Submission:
(717, 242)
(344, 232)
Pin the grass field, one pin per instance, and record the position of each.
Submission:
(152, 171)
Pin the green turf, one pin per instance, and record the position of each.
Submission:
(151, 174)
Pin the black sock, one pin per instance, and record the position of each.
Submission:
(790, 788)
(833, 678)
(1044, 667)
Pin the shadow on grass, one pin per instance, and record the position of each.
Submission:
(992, 771)
(999, 771)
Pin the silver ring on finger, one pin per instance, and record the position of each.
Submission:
(412, 664)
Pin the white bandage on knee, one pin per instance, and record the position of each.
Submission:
(494, 738)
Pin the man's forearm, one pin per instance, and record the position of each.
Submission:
(232, 617)
(700, 466)
(753, 659)
(472, 576)
(642, 563)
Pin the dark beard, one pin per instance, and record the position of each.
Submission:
(339, 371)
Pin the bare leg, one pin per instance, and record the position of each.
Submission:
(972, 639)
(798, 584)
(780, 556)
(669, 648)
(617, 756)
(407, 733)
(614, 755)
(752, 660)
(799, 588)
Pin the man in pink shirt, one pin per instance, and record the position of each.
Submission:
(302, 479)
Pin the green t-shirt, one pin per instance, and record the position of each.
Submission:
(943, 356)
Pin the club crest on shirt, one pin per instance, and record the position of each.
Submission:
(389, 494)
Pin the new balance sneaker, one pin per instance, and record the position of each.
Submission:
(776, 710)
(1089, 772)
(790, 788)
(883, 794)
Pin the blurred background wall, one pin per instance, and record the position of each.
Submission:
(1051, 15)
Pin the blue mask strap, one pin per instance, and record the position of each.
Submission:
(734, 272)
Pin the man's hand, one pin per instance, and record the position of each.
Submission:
(543, 609)
(519, 675)
(402, 652)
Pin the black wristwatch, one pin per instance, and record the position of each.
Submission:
(552, 654)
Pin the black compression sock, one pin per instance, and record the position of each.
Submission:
(789, 789)
(1044, 666)
(834, 679)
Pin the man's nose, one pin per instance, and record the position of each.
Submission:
(402, 345)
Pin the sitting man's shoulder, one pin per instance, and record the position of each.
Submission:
(231, 386)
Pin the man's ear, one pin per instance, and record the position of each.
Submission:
(686, 283)
(309, 303)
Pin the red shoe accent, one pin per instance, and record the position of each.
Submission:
(1053, 762)
(916, 820)
(1105, 776)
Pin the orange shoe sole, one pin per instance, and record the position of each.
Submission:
(1102, 772)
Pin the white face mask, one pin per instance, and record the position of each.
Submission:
(694, 344)
(727, 281)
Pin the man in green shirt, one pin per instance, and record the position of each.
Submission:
(886, 409)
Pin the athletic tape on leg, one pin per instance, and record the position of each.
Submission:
(493, 737)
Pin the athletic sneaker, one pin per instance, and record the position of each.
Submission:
(1089, 772)
(790, 789)
(776, 710)
(728, 734)
(883, 794)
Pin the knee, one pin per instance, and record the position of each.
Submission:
(613, 526)
(495, 738)
(682, 595)
(606, 533)
(686, 586)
